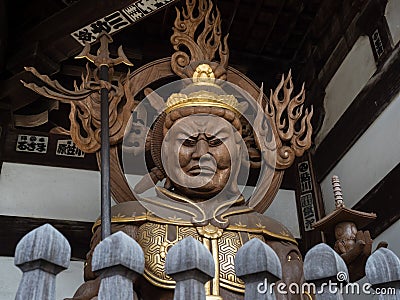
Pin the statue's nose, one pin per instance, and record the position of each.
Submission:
(201, 149)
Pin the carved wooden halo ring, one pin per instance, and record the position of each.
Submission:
(152, 72)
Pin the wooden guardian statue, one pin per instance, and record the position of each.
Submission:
(205, 126)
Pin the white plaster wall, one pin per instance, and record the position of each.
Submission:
(49, 192)
(390, 235)
(352, 75)
(67, 281)
(69, 194)
(284, 210)
(392, 14)
(373, 156)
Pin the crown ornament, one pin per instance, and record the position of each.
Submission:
(203, 92)
(202, 98)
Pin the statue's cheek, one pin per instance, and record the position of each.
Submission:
(184, 160)
(223, 156)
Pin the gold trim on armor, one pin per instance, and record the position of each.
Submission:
(227, 203)
(167, 285)
(210, 231)
(161, 203)
(261, 230)
(235, 212)
(308, 295)
(207, 286)
(143, 218)
(184, 223)
(229, 286)
(215, 254)
(180, 198)
(232, 283)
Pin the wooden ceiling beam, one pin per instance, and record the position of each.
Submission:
(54, 33)
(247, 57)
(164, 25)
(49, 43)
(68, 20)
(232, 18)
(14, 94)
(300, 46)
(14, 228)
(252, 20)
(271, 28)
(289, 30)
(3, 34)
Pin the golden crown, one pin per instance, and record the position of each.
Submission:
(203, 79)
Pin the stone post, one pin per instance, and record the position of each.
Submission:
(383, 272)
(41, 255)
(259, 267)
(191, 265)
(325, 269)
(118, 259)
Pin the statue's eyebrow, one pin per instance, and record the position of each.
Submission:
(186, 133)
(223, 129)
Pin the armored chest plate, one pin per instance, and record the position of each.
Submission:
(157, 238)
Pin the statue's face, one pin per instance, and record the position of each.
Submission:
(201, 155)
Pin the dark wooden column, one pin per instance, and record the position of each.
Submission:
(3, 34)
(5, 119)
(310, 207)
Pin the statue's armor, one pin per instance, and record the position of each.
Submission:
(156, 239)
(156, 235)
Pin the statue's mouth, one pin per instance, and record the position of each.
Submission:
(202, 170)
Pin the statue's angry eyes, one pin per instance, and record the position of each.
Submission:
(212, 141)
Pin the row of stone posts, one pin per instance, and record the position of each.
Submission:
(44, 252)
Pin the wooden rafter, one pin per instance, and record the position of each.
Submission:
(252, 20)
(232, 18)
(164, 25)
(13, 228)
(290, 28)
(271, 28)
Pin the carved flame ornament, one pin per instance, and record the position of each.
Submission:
(85, 99)
(202, 47)
(292, 129)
